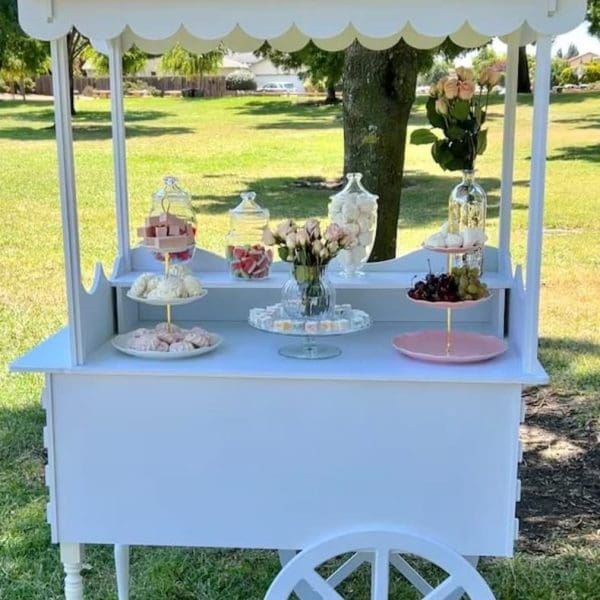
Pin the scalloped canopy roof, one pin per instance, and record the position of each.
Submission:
(244, 25)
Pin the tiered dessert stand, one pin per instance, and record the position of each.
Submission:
(370, 453)
(450, 346)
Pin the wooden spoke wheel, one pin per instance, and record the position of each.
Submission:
(381, 549)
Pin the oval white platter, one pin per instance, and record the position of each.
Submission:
(120, 343)
(172, 302)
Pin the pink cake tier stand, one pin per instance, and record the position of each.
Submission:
(449, 347)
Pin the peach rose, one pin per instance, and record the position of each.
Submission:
(466, 89)
(439, 86)
(464, 74)
(441, 106)
(451, 88)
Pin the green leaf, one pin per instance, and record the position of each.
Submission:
(434, 117)
(454, 132)
(460, 109)
(481, 141)
(422, 136)
(283, 252)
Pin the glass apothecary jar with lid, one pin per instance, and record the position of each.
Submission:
(467, 208)
(246, 254)
(355, 208)
(170, 228)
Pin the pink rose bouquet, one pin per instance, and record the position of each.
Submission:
(458, 106)
(308, 245)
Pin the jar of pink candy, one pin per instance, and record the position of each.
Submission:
(248, 257)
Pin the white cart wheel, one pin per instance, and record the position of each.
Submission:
(380, 548)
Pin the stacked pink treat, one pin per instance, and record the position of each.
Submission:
(173, 339)
(168, 233)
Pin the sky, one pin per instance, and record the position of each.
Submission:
(578, 36)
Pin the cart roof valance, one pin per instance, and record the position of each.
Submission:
(201, 25)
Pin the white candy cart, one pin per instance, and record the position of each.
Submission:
(370, 453)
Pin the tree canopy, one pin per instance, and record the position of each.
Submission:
(593, 17)
(21, 57)
(312, 63)
(134, 60)
(180, 61)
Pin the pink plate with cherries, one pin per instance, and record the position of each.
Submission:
(453, 305)
(454, 347)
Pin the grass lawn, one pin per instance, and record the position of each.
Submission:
(219, 148)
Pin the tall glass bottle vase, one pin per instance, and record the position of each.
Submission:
(467, 208)
(308, 294)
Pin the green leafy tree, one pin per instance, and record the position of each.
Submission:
(313, 64)
(593, 17)
(134, 60)
(180, 61)
(483, 59)
(558, 66)
(572, 51)
(441, 67)
(21, 57)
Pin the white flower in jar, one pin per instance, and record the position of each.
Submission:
(359, 253)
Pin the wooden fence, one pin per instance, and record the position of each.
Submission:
(211, 86)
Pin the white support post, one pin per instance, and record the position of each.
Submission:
(115, 62)
(71, 555)
(68, 198)
(536, 200)
(508, 143)
(122, 571)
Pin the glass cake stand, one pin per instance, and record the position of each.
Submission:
(310, 347)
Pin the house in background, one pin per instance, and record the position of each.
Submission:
(265, 71)
(583, 59)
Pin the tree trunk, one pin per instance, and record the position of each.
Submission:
(22, 87)
(331, 98)
(379, 91)
(523, 80)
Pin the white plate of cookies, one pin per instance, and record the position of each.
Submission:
(165, 342)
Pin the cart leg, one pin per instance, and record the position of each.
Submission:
(122, 571)
(71, 556)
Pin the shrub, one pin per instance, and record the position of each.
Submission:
(240, 80)
(592, 72)
(88, 91)
(568, 75)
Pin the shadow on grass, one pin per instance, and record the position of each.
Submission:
(88, 132)
(589, 153)
(589, 122)
(558, 357)
(86, 116)
(294, 115)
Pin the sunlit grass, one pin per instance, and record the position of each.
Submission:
(219, 148)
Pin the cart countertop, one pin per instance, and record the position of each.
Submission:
(248, 353)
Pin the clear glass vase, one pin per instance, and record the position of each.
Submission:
(308, 294)
(467, 209)
(355, 209)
